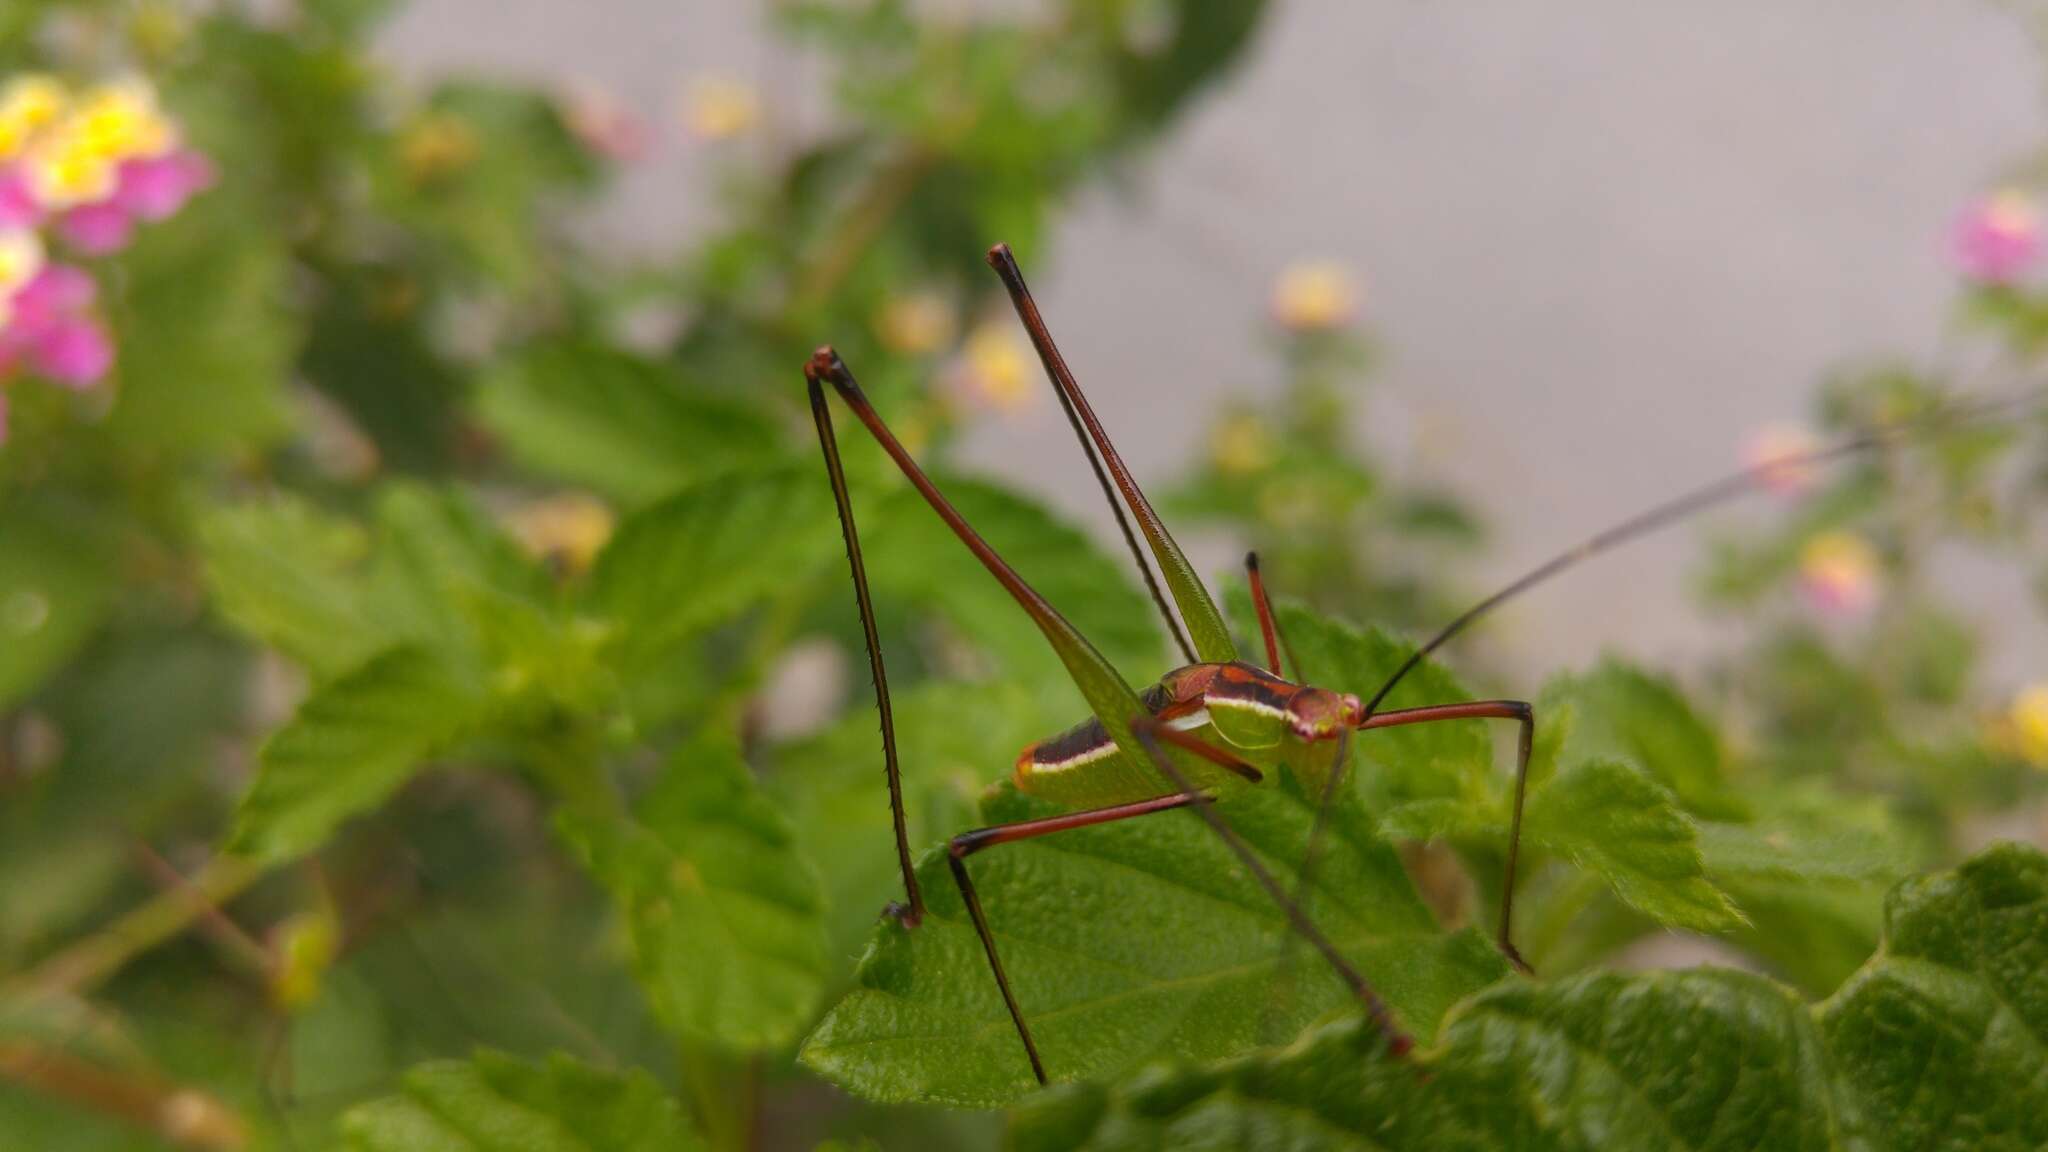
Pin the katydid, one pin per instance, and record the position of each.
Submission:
(1214, 725)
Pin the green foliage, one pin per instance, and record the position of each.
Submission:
(622, 425)
(1702, 1059)
(485, 593)
(1130, 941)
(723, 910)
(352, 744)
(494, 1102)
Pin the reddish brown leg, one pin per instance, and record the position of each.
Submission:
(1153, 734)
(1264, 608)
(912, 909)
(968, 843)
(1524, 716)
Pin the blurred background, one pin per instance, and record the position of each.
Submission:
(1600, 246)
(423, 621)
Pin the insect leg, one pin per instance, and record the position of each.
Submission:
(1106, 691)
(1205, 624)
(912, 910)
(968, 843)
(1150, 732)
(1525, 717)
(1267, 631)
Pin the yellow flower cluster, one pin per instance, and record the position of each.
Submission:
(1314, 297)
(2029, 720)
(70, 145)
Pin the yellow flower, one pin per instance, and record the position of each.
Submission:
(1838, 573)
(117, 121)
(720, 108)
(2029, 719)
(28, 104)
(21, 257)
(1313, 297)
(65, 170)
(570, 529)
(994, 370)
(915, 324)
(1240, 446)
(436, 146)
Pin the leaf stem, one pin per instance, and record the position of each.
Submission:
(92, 961)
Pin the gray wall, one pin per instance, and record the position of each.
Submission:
(1601, 240)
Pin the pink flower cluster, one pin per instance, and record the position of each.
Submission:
(1998, 239)
(144, 189)
(78, 173)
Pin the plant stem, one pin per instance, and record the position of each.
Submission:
(184, 1116)
(90, 962)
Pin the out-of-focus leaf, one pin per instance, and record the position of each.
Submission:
(1129, 942)
(353, 742)
(1619, 712)
(953, 741)
(287, 575)
(493, 1103)
(56, 585)
(205, 338)
(724, 913)
(912, 556)
(711, 551)
(437, 551)
(621, 425)
(1612, 819)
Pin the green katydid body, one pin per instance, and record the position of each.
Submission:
(1267, 721)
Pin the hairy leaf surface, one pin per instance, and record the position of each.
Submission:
(353, 742)
(725, 917)
(1132, 942)
(1935, 1044)
(493, 1103)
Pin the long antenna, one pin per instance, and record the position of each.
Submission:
(1699, 499)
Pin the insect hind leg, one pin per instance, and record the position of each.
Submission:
(968, 843)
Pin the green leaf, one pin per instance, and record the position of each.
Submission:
(493, 1103)
(1613, 820)
(353, 742)
(1672, 1061)
(206, 334)
(1130, 942)
(914, 558)
(725, 916)
(1935, 1044)
(953, 740)
(622, 425)
(711, 551)
(56, 585)
(1619, 712)
(1941, 1041)
(438, 551)
(288, 576)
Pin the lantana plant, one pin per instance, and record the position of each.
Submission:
(79, 169)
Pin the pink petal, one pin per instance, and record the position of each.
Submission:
(1992, 244)
(97, 229)
(156, 187)
(76, 353)
(56, 292)
(18, 206)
